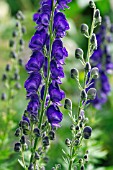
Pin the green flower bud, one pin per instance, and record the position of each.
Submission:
(87, 67)
(93, 41)
(91, 94)
(84, 29)
(83, 95)
(68, 142)
(74, 73)
(91, 4)
(68, 104)
(98, 18)
(94, 73)
(78, 53)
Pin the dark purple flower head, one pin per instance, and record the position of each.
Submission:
(33, 105)
(38, 40)
(60, 25)
(56, 95)
(58, 51)
(63, 3)
(33, 82)
(35, 63)
(54, 115)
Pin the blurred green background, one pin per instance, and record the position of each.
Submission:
(100, 145)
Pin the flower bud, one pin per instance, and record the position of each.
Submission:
(98, 18)
(8, 68)
(21, 42)
(82, 167)
(31, 166)
(78, 53)
(45, 141)
(17, 133)
(83, 95)
(74, 73)
(22, 140)
(13, 54)
(72, 127)
(14, 34)
(111, 28)
(91, 94)
(68, 104)
(37, 156)
(23, 29)
(84, 29)
(26, 131)
(77, 127)
(3, 96)
(20, 62)
(94, 73)
(51, 135)
(77, 142)
(20, 15)
(87, 67)
(91, 4)
(68, 142)
(93, 41)
(36, 131)
(87, 132)
(17, 147)
(33, 119)
(4, 77)
(11, 43)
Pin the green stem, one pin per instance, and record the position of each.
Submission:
(89, 43)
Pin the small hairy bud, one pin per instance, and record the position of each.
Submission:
(93, 40)
(20, 15)
(45, 141)
(4, 77)
(13, 54)
(22, 140)
(3, 96)
(67, 142)
(31, 166)
(74, 73)
(17, 133)
(14, 34)
(91, 94)
(17, 147)
(82, 167)
(98, 18)
(68, 104)
(36, 131)
(91, 4)
(78, 53)
(37, 156)
(83, 95)
(51, 135)
(87, 67)
(87, 132)
(8, 67)
(94, 73)
(11, 43)
(84, 29)
(76, 142)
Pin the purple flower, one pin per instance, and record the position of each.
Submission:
(33, 82)
(56, 71)
(56, 95)
(60, 24)
(63, 3)
(58, 51)
(33, 105)
(54, 115)
(35, 63)
(38, 40)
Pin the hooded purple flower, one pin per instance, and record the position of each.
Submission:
(35, 63)
(56, 95)
(38, 40)
(54, 115)
(60, 24)
(33, 105)
(33, 82)
(63, 3)
(56, 71)
(58, 51)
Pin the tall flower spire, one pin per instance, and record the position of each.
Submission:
(45, 69)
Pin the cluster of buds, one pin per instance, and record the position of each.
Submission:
(80, 129)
